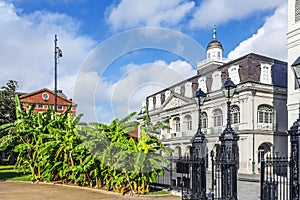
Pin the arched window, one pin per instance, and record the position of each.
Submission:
(265, 114)
(217, 117)
(177, 124)
(235, 114)
(265, 117)
(204, 120)
(188, 122)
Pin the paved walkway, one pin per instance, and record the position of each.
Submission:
(12, 190)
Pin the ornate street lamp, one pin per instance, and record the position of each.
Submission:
(229, 150)
(200, 96)
(294, 133)
(198, 156)
(228, 91)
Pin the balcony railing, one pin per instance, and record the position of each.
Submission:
(265, 126)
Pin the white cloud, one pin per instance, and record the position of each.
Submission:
(126, 95)
(218, 12)
(28, 44)
(270, 39)
(27, 50)
(136, 13)
(138, 81)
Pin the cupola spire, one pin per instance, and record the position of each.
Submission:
(215, 33)
(214, 49)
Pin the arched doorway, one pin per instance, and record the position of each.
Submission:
(264, 150)
(187, 151)
(177, 152)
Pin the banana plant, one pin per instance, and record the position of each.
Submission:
(55, 148)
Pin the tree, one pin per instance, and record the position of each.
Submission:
(7, 115)
(7, 103)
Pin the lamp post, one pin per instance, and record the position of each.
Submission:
(294, 133)
(229, 150)
(57, 54)
(198, 156)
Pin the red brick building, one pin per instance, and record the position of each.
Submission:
(44, 98)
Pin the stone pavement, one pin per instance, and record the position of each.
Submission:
(13, 190)
(248, 190)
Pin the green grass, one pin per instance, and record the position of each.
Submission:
(159, 192)
(12, 174)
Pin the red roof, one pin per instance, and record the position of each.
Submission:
(135, 133)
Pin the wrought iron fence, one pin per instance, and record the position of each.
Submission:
(275, 184)
(179, 176)
(275, 172)
(173, 177)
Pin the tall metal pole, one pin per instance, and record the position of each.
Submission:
(253, 134)
(198, 157)
(55, 73)
(229, 152)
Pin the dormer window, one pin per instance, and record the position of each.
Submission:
(167, 94)
(233, 72)
(202, 84)
(216, 82)
(265, 74)
(188, 90)
(158, 101)
(150, 103)
(178, 90)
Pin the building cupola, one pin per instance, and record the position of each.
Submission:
(214, 50)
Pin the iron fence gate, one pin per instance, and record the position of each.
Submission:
(275, 183)
(216, 177)
(179, 176)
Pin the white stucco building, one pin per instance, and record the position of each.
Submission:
(258, 109)
(293, 40)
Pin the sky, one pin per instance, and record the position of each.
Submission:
(115, 53)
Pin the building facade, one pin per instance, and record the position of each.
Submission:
(293, 45)
(258, 109)
(44, 98)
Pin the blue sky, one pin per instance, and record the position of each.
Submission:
(115, 53)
